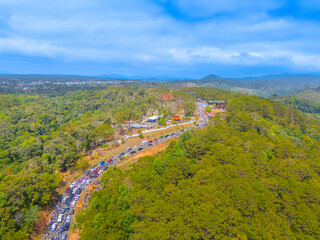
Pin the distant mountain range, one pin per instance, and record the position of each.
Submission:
(262, 86)
(283, 84)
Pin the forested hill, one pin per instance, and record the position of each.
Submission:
(251, 174)
(306, 100)
(259, 86)
(312, 94)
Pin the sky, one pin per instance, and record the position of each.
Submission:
(160, 38)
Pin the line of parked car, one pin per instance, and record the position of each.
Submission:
(61, 219)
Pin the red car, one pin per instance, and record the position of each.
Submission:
(67, 190)
(156, 140)
(110, 160)
(150, 141)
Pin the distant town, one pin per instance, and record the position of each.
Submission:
(26, 83)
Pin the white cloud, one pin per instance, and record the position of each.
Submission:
(141, 32)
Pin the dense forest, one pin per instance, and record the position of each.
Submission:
(41, 135)
(253, 173)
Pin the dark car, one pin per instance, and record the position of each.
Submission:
(71, 196)
(79, 191)
(128, 149)
(71, 211)
(171, 134)
(66, 226)
(133, 152)
(166, 136)
(121, 154)
(139, 149)
(63, 210)
(181, 130)
(161, 137)
(150, 144)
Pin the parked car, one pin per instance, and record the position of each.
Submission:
(150, 141)
(63, 210)
(182, 130)
(144, 143)
(54, 226)
(68, 219)
(66, 226)
(133, 152)
(64, 236)
(62, 229)
(64, 199)
(73, 204)
(121, 154)
(166, 136)
(67, 190)
(71, 211)
(150, 144)
(161, 137)
(60, 218)
(129, 149)
(156, 140)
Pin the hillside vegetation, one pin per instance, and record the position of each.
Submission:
(306, 100)
(252, 174)
(42, 135)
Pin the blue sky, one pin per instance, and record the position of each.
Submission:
(181, 38)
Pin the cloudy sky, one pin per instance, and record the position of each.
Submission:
(179, 38)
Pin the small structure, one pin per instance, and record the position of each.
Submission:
(176, 118)
(154, 119)
(219, 104)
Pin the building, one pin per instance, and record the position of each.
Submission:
(176, 118)
(154, 119)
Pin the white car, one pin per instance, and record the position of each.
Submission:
(54, 227)
(144, 143)
(73, 204)
(88, 181)
(60, 218)
(64, 199)
(76, 198)
(68, 219)
(74, 191)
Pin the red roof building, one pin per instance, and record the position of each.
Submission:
(167, 97)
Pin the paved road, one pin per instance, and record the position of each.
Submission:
(81, 182)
